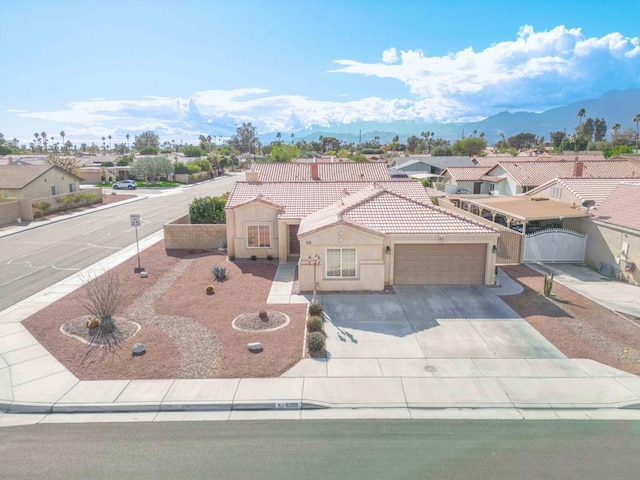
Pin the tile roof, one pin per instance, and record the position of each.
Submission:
(536, 173)
(382, 211)
(299, 199)
(462, 174)
(440, 162)
(327, 172)
(596, 189)
(621, 207)
(19, 176)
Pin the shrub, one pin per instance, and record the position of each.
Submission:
(315, 342)
(220, 273)
(269, 257)
(149, 150)
(315, 310)
(254, 258)
(210, 290)
(207, 210)
(103, 296)
(231, 258)
(314, 324)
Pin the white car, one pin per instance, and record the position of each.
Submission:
(127, 184)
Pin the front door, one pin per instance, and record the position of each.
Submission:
(294, 243)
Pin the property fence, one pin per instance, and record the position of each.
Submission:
(509, 241)
(182, 235)
(555, 245)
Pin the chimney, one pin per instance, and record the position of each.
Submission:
(251, 176)
(577, 169)
(314, 172)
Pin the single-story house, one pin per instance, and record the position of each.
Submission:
(613, 234)
(318, 172)
(576, 191)
(381, 232)
(467, 180)
(522, 176)
(429, 164)
(30, 182)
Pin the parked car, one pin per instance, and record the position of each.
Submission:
(126, 184)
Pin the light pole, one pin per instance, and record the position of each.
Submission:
(315, 261)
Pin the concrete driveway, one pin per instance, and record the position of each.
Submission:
(428, 322)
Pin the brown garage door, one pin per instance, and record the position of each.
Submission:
(439, 264)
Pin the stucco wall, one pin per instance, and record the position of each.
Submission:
(9, 211)
(370, 261)
(254, 213)
(57, 203)
(41, 187)
(182, 235)
(604, 245)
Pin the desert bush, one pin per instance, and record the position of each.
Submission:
(315, 310)
(315, 342)
(220, 273)
(210, 290)
(104, 295)
(254, 258)
(314, 324)
(269, 257)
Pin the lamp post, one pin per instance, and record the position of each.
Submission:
(315, 261)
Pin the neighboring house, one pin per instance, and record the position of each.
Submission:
(522, 176)
(467, 180)
(31, 182)
(24, 160)
(416, 164)
(354, 234)
(575, 191)
(613, 242)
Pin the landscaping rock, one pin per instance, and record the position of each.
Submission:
(254, 347)
(138, 349)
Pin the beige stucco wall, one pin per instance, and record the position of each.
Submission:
(182, 235)
(9, 211)
(370, 261)
(604, 245)
(254, 213)
(41, 186)
(559, 193)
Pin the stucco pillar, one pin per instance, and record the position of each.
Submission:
(231, 229)
(283, 241)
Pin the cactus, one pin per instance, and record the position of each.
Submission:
(548, 285)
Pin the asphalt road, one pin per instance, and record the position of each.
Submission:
(394, 449)
(35, 259)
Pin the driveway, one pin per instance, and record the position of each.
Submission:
(429, 322)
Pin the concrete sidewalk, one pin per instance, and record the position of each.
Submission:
(33, 381)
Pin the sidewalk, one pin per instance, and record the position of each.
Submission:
(33, 381)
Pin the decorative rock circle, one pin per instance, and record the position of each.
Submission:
(253, 322)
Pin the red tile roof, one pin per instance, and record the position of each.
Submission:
(621, 207)
(596, 189)
(377, 209)
(462, 174)
(299, 199)
(327, 172)
(536, 173)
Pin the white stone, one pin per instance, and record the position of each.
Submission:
(254, 346)
(138, 349)
(143, 274)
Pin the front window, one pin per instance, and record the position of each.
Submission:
(259, 236)
(341, 262)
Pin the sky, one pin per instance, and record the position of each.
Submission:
(196, 67)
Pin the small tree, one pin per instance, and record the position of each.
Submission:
(70, 164)
(207, 210)
(193, 151)
(104, 295)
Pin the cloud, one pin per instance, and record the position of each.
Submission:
(561, 62)
(390, 55)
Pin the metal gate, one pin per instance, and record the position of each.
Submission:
(555, 245)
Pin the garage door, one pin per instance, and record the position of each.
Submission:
(439, 264)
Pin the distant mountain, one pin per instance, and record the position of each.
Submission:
(615, 107)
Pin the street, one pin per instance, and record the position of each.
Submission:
(330, 449)
(34, 259)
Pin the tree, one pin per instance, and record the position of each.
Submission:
(614, 136)
(292, 137)
(557, 138)
(413, 143)
(637, 120)
(149, 150)
(64, 145)
(426, 140)
(278, 137)
(207, 210)
(245, 140)
(151, 168)
(599, 129)
(109, 137)
(70, 164)
(127, 136)
(581, 114)
(193, 151)
(43, 135)
(283, 153)
(146, 139)
(470, 146)
(522, 141)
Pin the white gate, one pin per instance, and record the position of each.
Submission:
(555, 245)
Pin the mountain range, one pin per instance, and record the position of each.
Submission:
(614, 107)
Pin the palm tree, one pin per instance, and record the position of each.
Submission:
(615, 129)
(127, 136)
(109, 137)
(581, 114)
(103, 145)
(44, 140)
(37, 137)
(292, 136)
(62, 134)
(637, 120)
(279, 136)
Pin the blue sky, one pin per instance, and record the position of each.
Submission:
(185, 68)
